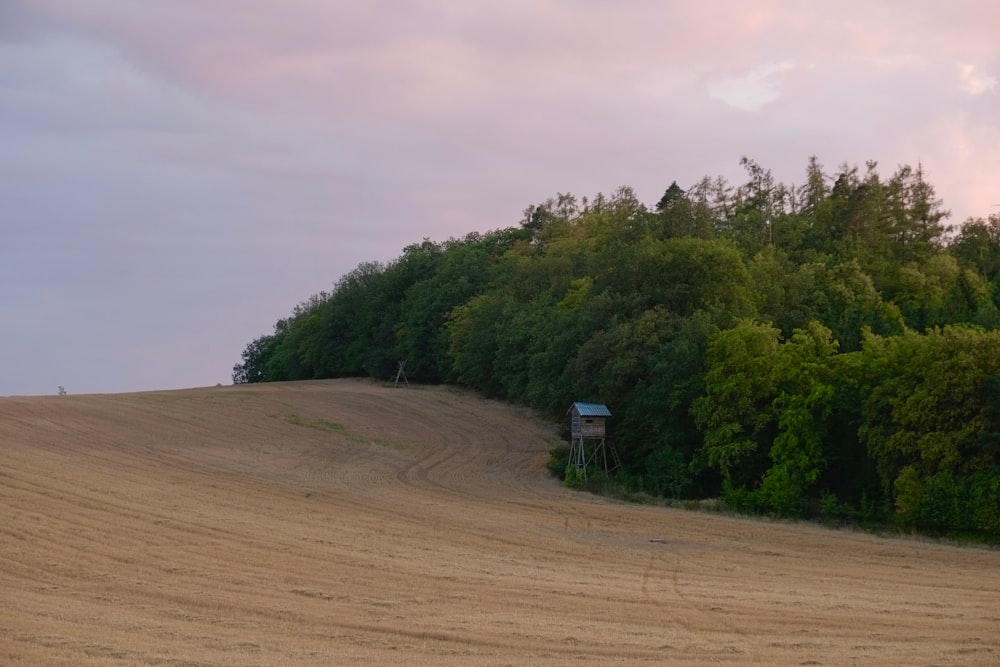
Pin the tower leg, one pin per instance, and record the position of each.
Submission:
(578, 456)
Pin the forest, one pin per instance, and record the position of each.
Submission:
(826, 350)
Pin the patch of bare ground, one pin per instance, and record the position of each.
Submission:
(345, 523)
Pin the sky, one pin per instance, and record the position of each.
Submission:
(176, 175)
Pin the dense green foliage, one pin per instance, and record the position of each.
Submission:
(825, 350)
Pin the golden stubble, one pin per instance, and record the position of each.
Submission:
(347, 522)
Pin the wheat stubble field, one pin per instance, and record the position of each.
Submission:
(344, 522)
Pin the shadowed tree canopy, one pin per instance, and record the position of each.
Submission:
(673, 195)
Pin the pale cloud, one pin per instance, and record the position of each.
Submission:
(975, 82)
(753, 90)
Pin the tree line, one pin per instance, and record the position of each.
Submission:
(830, 349)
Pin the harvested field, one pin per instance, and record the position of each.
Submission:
(348, 523)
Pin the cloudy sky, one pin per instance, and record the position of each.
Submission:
(175, 175)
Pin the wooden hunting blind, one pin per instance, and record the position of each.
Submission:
(587, 419)
(588, 438)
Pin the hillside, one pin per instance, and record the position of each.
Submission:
(830, 351)
(346, 522)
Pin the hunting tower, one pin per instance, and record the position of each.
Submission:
(588, 438)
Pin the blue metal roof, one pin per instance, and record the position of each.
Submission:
(591, 409)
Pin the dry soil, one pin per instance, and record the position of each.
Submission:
(349, 523)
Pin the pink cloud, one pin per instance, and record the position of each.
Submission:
(334, 132)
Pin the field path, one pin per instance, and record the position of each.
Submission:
(351, 523)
